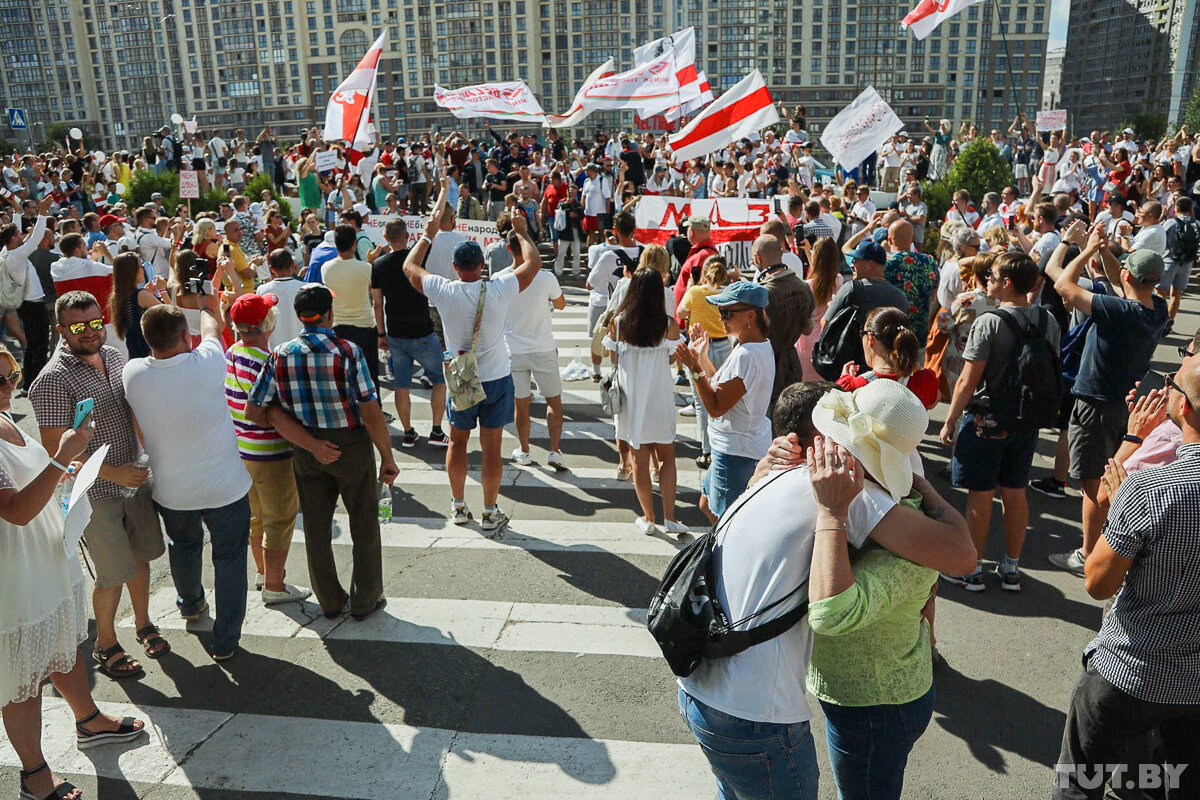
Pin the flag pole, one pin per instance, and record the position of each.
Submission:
(1007, 56)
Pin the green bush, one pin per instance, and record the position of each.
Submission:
(979, 169)
(254, 191)
(210, 200)
(144, 183)
(937, 196)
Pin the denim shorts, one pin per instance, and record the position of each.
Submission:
(426, 351)
(1176, 276)
(726, 479)
(754, 760)
(980, 465)
(495, 411)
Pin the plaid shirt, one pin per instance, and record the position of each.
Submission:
(67, 379)
(318, 378)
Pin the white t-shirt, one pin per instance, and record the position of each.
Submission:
(1152, 238)
(440, 260)
(950, 284)
(528, 329)
(744, 430)
(179, 404)
(1044, 246)
(287, 325)
(593, 194)
(793, 262)
(602, 276)
(764, 553)
(456, 302)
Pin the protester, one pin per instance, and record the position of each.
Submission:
(789, 311)
(349, 280)
(16, 248)
(285, 285)
(693, 310)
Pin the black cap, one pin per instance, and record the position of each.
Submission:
(313, 301)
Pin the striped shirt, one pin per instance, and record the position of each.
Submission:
(318, 378)
(242, 367)
(1149, 644)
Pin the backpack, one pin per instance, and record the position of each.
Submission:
(12, 291)
(1070, 347)
(1030, 392)
(685, 615)
(1187, 240)
(841, 341)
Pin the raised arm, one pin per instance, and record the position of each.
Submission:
(531, 260)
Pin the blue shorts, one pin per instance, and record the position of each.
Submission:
(980, 465)
(1176, 276)
(495, 411)
(426, 351)
(726, 479)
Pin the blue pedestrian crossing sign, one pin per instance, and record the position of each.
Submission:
(18, 119)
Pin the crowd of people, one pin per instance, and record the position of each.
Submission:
(810, 376)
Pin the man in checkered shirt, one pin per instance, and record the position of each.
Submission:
(1142, 672)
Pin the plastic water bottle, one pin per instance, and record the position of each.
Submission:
(447, 356)
(64, 493)
(385, 504)
(143, 463)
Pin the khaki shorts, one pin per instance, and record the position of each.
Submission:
(123, 532)
(543, 367)
(274, 503)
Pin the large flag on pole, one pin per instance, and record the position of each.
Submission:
(577, 112)
(350, 106)
(860, 129)
(743, 109)
(511, 100)
(683, 45)
(647, 89)
(695, 104)
(930, 13)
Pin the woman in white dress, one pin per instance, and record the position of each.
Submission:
(641, 340)
(1050, 158)
(43, 602)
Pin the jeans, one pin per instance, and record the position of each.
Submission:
(36, 322)
(754, 760)
(718, 351)
(869, 745)
(726, 479)
(563, 246)
(229, 530)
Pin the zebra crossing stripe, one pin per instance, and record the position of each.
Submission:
(545, 477)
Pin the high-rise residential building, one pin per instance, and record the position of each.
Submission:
(1127, 56)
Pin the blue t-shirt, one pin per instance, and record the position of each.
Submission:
(1119, 346)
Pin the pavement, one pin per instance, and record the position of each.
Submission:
(518, 666)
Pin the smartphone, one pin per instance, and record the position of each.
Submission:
(82, 409)
(1150, 381)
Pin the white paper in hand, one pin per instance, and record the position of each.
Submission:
(79, 509)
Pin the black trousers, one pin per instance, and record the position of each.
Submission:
(368, 340)
(1105, 726)
(36, 322)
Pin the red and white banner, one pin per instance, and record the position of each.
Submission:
(744, 109)
(189, 185)
(682, 44)
(735, 221)
(578, 112)
(480, 231)
(930, 13)
(511, 100)
(349, 108)
(647, 89)
(693, 105)
(860, 129)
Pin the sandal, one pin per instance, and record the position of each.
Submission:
(85, 739)
(151, 640)
(61, 791)
(704, 461)
(102, 657)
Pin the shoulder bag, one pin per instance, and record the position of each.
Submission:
(462, 371)
(612, 395)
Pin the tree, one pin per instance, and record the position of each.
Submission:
(1146, 125)
(979, 169)
(1191, 116)
(56, 132)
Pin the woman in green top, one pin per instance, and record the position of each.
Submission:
(871, 667)
(309, 184)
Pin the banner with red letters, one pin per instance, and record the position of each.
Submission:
(735, 222)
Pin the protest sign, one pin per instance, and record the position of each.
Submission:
(510, 100)
(189, 185)
(328, 160)
(1055, 120)
(481, 231)
(860, 129)
(735, 221)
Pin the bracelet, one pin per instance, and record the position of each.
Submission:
(698, 374)
(426, 239)
(840, 530)
(1129, 437)
(54, 463)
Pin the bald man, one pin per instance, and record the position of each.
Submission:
(789, 310)
(779, 229)
(915, 274)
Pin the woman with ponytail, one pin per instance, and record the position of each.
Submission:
(891, 350)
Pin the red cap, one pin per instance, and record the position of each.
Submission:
(251, 309)
(107, 219)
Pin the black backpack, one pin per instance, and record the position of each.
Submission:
(686, 618)
(1187, 240)
(841, 341)
(1030, 391)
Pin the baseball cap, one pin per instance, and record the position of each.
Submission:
(869, 251)
(1128, 130)
(313, 301)
(468, 255)
(1145, 265)
(107, 219)
(743, 292)
(699, 221)
(251, 309)
(156, 196)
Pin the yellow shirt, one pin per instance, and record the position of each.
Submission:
(245, 285)
(350, 281)
(702, 312)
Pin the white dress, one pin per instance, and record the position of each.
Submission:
(43, 603)
(645, 376)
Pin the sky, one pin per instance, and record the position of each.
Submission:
(1059, 11)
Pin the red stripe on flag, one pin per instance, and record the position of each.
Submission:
(721, 119)
(686, 75)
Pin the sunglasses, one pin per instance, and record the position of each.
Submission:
(77, 328)
(1184, 352)
(1171, 382)
(727, 313)
(12, 378)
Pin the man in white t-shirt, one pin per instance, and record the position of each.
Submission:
(285, 285)
(891, 162)
(1151, 236)
(177, 396)
(991, 214)
(533, 354)
(219, 153)
(460, 302)
(595, 196)
(1045, 215)
(606, 271)
(862, 210)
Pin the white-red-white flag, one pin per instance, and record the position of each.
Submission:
(349, 108)
(744, 109)
(682, 44)
(695, 104)
(577, 112)
(930, 13)
(647, 89)
(511, 100)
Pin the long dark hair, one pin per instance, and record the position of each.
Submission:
(643, 314)
(127, 268)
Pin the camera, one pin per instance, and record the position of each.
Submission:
(198, 285)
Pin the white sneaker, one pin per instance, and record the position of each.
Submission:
(521, 458)
(459, 515)
(494, 520)
(290, 594)
(646, 526)
(674, 526)
(556, 460)
(687, 411)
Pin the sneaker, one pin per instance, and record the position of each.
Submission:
(1168, 328)
(425, 382)
(674, 526)
(1072, 562)
(521, 458)
(460, 515)
(646, 526)
(197, 614)
(556, 460)
(687, 411)
(494, 520)
(1050, 487)
(1009, 581)
(972, 583)
(259, 578)
(410, 438)
(595, 377)
(290, 594)
(681, 380)
(438, 438)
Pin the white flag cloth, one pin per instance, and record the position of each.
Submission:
(350, 106)
(511, 100)
(744, 109)
(647, 89)
(577, 112)
(683, 45)
(930, 13)
(860, 129)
